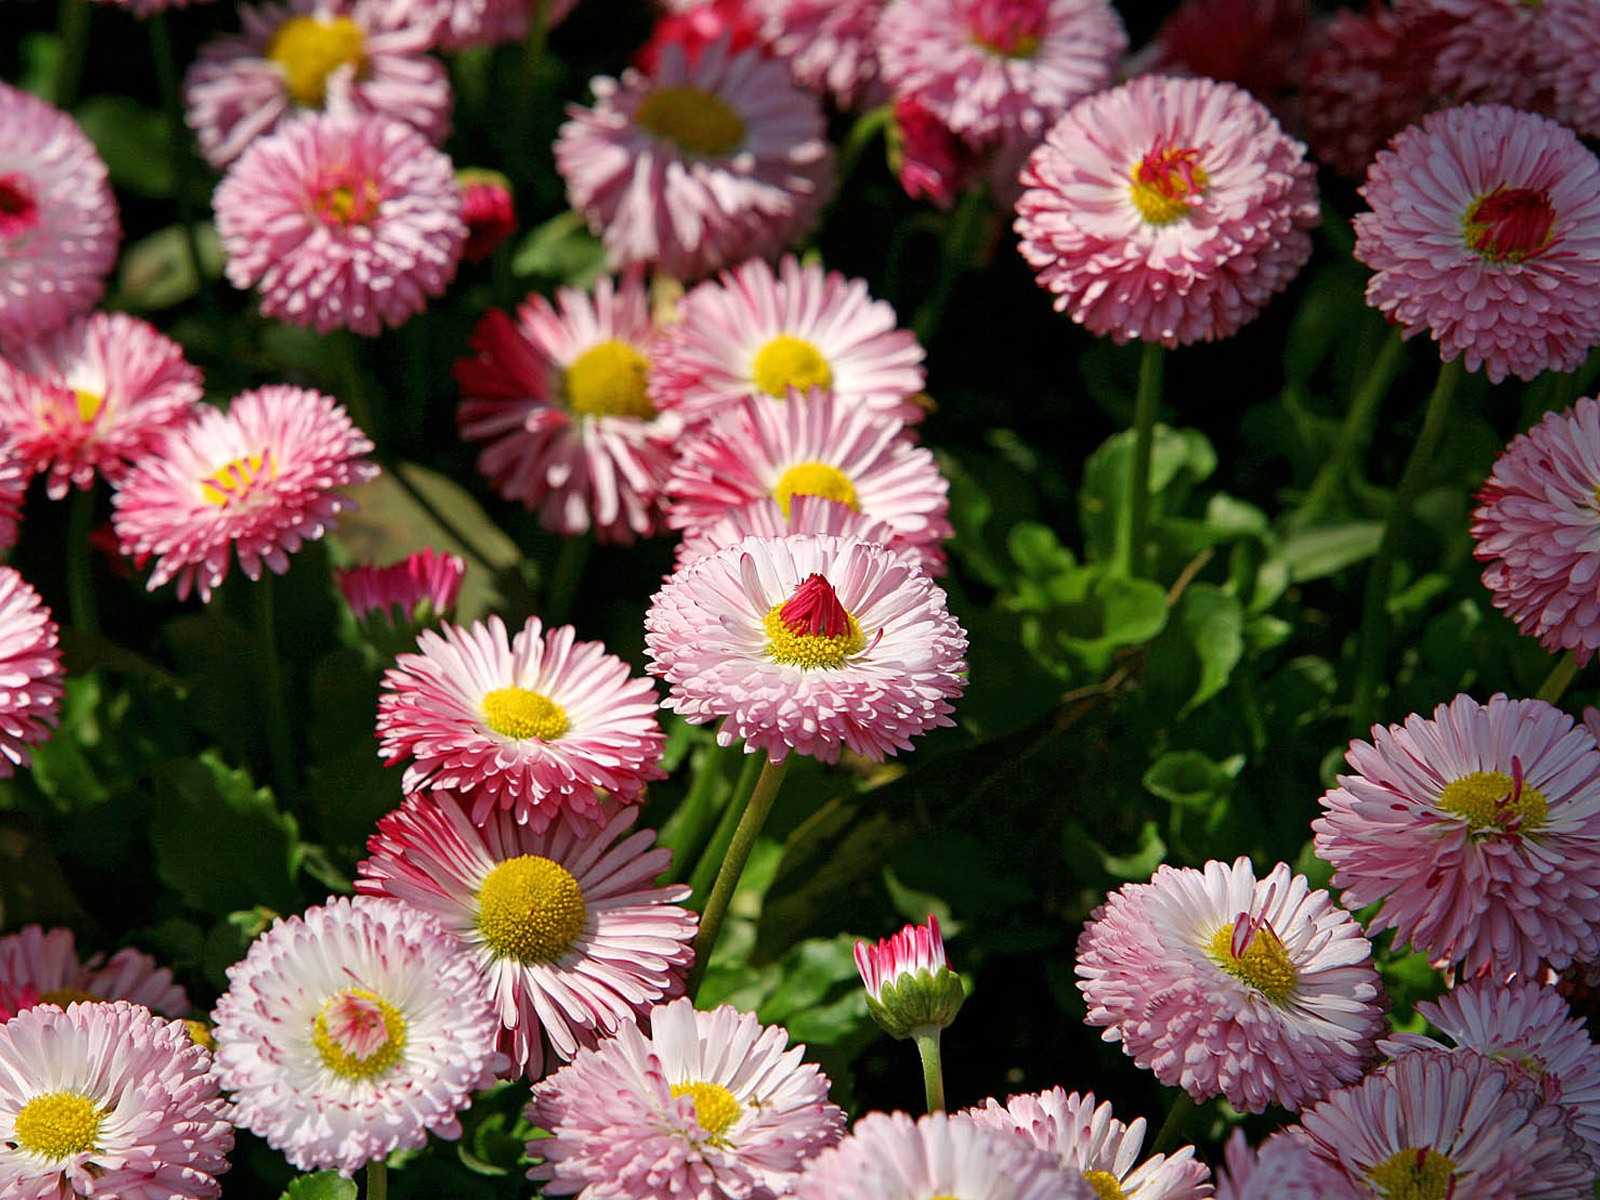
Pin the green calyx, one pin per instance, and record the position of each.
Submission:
(917, 1003)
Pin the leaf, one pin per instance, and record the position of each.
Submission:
(1142, 863)
(1213, 624)
(1324, 549)
(133, 140)
(324, 1185)
(157, 271)
(561, 249)
(1179, 459)
(1191, 779)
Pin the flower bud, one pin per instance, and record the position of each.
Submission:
(911, 989)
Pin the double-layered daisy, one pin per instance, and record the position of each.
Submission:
(1572, 41)
(47, 962)
(804, 514)
(810, 643)
(258, 479)
(92, 397)
(341, 221)
(1484, 51)
(30, 671)
(706, 1105)
(1169, 210)
(1262, 991)
(1485, 231)
(701, 164)
(559, 398)
(353, 1031)
(564, 923)
(420, 587)
(831, 46)
(1478, 830)
(1285, 1168)
(1261, 45)
(530, 724)
(108, 1100)
(1364, 82)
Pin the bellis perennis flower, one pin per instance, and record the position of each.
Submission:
(910, 986)
(30, 671)
(418, 588)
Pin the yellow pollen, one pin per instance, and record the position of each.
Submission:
(65, 996)
(515, 712)
(1105, 1185)
(1163, 182)
(200, 1034)
(57, 1125)
(353, 1021)
(809, 651)
(814, 479)
(693, 119)
(1417, 1174)
(89, 405)
(714, 1106)
(344, 205)
(1023, 45)
(608, 381)
(1491, 801)
(530, 909)
(309, 50)
(790, 362)
(1264, 965)
(233, 481)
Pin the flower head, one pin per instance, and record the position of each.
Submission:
(419, 588)
(930, 162)
(806, 514)
(1571, 41)
(1260, 45)
(15, 471)
(47, 963)
(831, 46)
(488, 209)
(30, 671)
(1484, 51)
(1285, 1168)
(696, 27)
(911, 989)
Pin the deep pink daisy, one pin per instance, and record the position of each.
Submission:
(1484, 51)
(419, 588)
(1169, 210)
(564, 923)
(698, 165)
(831, 46)
(1285, 1168)
(1485, 230)
(559, 397)
(47, 962)
(488, 209)
(14, 475)
(755, 330)
(1479, 830)
(531, 725)
(259, 479)
(1572, 46)
(347, 221)
(810, 643)
(1260, 45)
(338, 56)
(94, 396)
(58, 219)
(30, 671)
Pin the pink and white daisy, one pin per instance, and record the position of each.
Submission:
(94, 396)
(1262, 991)
(337, 56)
(813, 445)
(698, 165)
(353, 1031)
(47, 961)
(1479, 830)
(346, 221)
(419, 588)
(531, 725)
(108, 1100)
(564, 924)
(755, 330)
(58, 219)
(14, 475)
(706, 1105)
(1485, 231)
(911, 990)
(1484, 51)
(559, 397)
(1571, 44)
(30, 671)
(1286, 1168)
(806, 514)
(1169, 210)
(463, 24)
(812, 643)
(831, 46)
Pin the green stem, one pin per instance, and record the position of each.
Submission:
(377, 1180)
(525, 95)
(716, 851)
(1374, 642)
(178, 158)
(355, 391)
(1559, 679)
(961, 244)
(685, 831)
(1172, 1128)
(1133, 523)
(72, 28)
(80, 562)
(1356, 430)
(932, 1074)
(868, 126)
(562, 587)
(279, 743)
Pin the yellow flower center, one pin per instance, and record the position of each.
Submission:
(358, 1034)
(515, 712)
(530, 909)
(57, 1125)
(714, 1106)
(1413, 1175)
(65, 996)
(1495, 802)
(231, 483)
(810, 650)
(787, 362)
(89, 405)
(1253, 954)
(200, 1034)
(693, 119)
(346, 203)
(309, 50)
(814, 479)
(607, 380)
(1508, 224)
(1105, 1185)
(1165, 181)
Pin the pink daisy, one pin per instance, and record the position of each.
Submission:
(1287, 1168)
(1484, 51)
(559, 397)
(1572, 46)
(14, 475)
(813, 445)
(930, 162)
(564, 923)
(463, 24)
(830, 45)
(419, 588)
(1260, 45)
(766, 518)
(699, 164)
(259, 479)
(699, 27)
(531, 726)
(1479, 830)
(488, 210)
(1262, 991)
(1485, 230)
(108, 1100)
(811, 643)
(346, 221)
(1169, 210)
(339, 56)
(94, 396)
(30, 671)
(48, 963)
(58, 219)
(706, 1105)
(755, 330)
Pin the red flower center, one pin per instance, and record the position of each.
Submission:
(1166, 182)
(1013, 28)
(344, 198)
(815, 609)
(1508, 224)
(18, 212)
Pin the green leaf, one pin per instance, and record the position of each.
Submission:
(1213, 624)
(561, 249)
(133, 140)
(1324, 549)
(1036, 551)
(157, 271)
(1192, 779)
(324, 1185)
(1179, 459)
(1142, 863)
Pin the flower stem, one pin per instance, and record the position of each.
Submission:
(932, 1073)
(80, 562)
(279, 743)
(72, 28)
(868, 126)
(1560, 678)
(525, 95)
(562, 587)
(178, 159)
(685, 831)
(377, 1180)
(962, 243)
(1356, 430)
(716, 851)
(1172, 1128)
(1133, 524)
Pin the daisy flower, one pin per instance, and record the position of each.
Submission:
(1571, 44)
(259, 479)
(58, 219)
(1485, 231)
(108, 1100)
(707, 1105)
(346, 221)
(146, 8)
(531, 725)
(1484, 51)
(911, 990)
(811, 643)
(1260, 45)
(420, 587)
(831, 46)
(697, 27)
(1286, 1168)
(564, 923)
(806, 514)
(755, 330)
(94, 396)
(1478, 830)
(698, 165)
(47, 961)
(463, 24)
(559, 398)
(813, 445)
(14, 475)
(353, 1031)
(30, 671)
(338, 56)
(1262, 991)
(1169, 210)
(488, 209)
